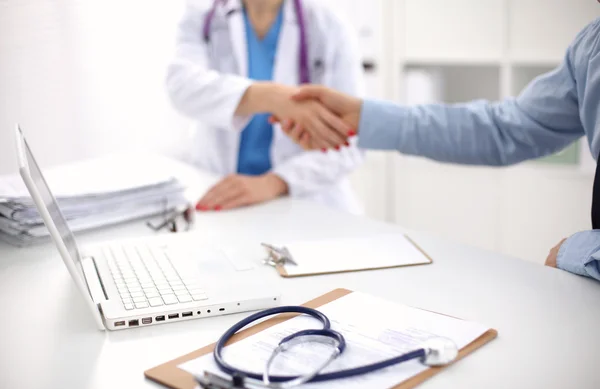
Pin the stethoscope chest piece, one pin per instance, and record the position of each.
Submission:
(439, 351)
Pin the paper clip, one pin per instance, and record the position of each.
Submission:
(278, 256)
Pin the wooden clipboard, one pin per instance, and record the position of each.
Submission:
(283, 272)
(169, 375)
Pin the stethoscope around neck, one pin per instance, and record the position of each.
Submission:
(303, 66)
(436, 351)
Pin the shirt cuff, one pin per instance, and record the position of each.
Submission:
(580, 254)
(380, 125)
(239, 122)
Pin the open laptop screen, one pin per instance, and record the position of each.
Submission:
(57, 217)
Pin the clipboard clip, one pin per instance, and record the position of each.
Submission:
(213, 381)
(278, 256)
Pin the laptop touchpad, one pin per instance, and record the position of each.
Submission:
(215, 260)
(238, 259)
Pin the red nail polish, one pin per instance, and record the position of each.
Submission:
(198, 207)
(218, 208)
(324, 150)
(337, 147)
(351, 133)
(347, 144)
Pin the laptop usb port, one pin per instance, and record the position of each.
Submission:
(133, 323)
(186, 314)
(160, 318)
(173, 316)
(147, 320)
(119, 323)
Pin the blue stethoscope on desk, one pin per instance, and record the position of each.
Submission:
(303, 66)
(436, 351)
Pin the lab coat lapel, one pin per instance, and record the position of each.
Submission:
(239, 46)
(238, 38)
(285, 70)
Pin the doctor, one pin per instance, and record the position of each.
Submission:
(241, 59)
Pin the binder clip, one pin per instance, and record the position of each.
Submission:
(278, 256)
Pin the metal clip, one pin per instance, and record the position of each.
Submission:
(278, 256)
(213, 381)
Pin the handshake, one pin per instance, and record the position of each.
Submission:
(313, 116)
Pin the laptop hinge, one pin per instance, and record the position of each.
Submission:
(94, 282)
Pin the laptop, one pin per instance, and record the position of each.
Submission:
(152, 280)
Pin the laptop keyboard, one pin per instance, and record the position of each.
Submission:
(145, 277)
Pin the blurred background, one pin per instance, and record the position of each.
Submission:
(86, 78)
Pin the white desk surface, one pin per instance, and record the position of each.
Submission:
(547, 319)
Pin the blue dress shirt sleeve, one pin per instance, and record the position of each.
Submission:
(580, 254)
(542, 120)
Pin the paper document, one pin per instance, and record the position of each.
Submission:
(374, 330)
(82, 223)
(330, 256)
(110, 174)
(101, 192)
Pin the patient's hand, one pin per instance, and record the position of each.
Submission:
(326, 129)
(553, 255)
(347, 108)
(238, 190)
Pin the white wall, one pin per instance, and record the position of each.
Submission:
(86, 78)
(37, 87)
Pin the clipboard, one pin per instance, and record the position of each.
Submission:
(280, 257)
(169, 375)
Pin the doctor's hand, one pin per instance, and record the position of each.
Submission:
(238, 190)
(327, 129)
(344, 106)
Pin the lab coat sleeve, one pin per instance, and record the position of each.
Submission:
(196, 90)
(580, 254)
(542, 120)
(314, 171)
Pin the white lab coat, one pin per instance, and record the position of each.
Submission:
(206, 81)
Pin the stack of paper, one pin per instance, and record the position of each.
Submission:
(91, 194)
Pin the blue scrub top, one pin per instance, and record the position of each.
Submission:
(254, 154)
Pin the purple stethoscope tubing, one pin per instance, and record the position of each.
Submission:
(304, 72)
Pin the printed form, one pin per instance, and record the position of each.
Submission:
(375, 330)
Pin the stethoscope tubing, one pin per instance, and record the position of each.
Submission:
(303, 66)
(346, 373)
